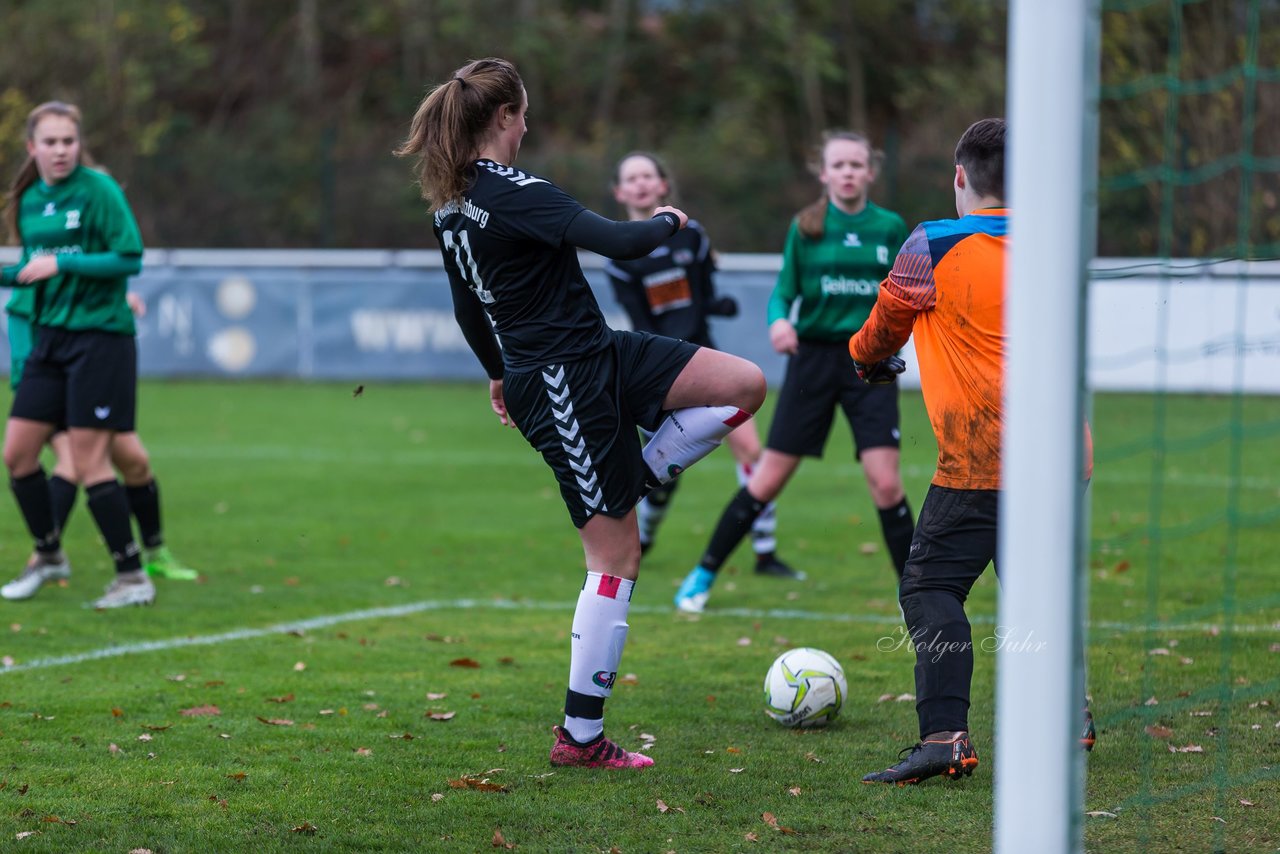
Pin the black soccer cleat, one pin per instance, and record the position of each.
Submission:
(769, 564)
(942, 753)
(1089, 736)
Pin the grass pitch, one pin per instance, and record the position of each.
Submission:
(379, 646)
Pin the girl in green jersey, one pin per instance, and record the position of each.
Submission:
(80, 243)
(837, 252)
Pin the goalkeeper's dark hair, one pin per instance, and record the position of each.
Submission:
(981, 152)
(448, 129)
(812, 219)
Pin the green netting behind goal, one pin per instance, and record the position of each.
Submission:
(1185, 558)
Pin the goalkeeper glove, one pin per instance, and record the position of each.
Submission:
(883, 371)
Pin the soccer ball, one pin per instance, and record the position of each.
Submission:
(804, 688)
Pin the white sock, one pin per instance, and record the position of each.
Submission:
(765, 527)
(688, 435)
(599, 634)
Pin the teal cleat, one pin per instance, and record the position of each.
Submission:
(692, 596)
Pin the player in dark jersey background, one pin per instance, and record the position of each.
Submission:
(80, 244)
(837, 251)
(671, 292)
(576, 389)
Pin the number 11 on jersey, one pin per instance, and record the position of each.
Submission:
(461, 249)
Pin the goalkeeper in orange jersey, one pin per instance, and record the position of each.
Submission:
(947, 290)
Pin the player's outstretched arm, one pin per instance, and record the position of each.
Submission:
(623, 240)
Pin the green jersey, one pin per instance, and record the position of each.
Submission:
(835, 278)
(85, 221)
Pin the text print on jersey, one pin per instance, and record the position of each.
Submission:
(461, 249)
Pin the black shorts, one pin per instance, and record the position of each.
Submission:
(955, 540)
(582, 416)
(820, 376)
(80, 379)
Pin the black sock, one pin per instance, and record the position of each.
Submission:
(110, 510)
(735, 523)
(62, 497)
(144, 504)
(898, 528)
(32, 494)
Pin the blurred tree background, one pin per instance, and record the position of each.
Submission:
(270, 124)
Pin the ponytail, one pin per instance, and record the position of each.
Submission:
(449, 126)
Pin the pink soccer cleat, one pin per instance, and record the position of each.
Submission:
(601, 753)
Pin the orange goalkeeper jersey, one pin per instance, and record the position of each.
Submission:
(947, 286)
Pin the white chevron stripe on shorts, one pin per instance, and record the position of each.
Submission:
(567, 427)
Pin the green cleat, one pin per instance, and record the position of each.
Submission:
(160, 563)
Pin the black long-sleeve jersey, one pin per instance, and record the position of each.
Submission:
(512, 242)
(670, 290)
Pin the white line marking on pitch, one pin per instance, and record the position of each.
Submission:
(511, 605)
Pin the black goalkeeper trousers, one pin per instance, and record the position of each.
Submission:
(955, 540)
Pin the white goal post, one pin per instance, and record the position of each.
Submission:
(1051, 178)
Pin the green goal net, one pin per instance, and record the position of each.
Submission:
(1184, 644)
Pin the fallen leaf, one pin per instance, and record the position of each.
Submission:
(1190, 748)
(300, 666)
(885, 698)
(1158, 731)
(113, 748)
(812, 757)
(440, 716)
(629, 679)
(751, 837)
(662, 806)
(732, 750)
(1218, 818)
(363, 751)
(200, 711)
(794, 791)
(437, 797)
(1158, 651)
(274, 721)
(287, 698)
(156, 728)
(905, 698)
(1122, 566)
(239, 775)
(405, 737)
(140, 851)
(868, 548)
(8, 661)
(736, 770)
(326, 711)
(24, 834)
(464, 662)
(1245, 803)
(431, 695)
(177, 677)
(499, 841)
(146, 736)
(480, 783)
(117, 713)
(744, 641)
(306, 827)
(1200, 714)
(1151, 701)
(1102, 813)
